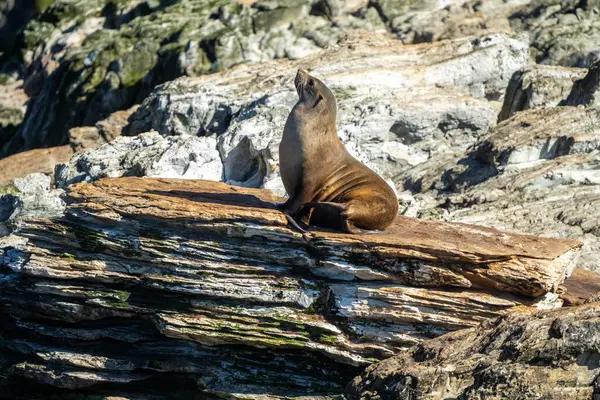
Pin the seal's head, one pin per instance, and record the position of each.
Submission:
(314, 94)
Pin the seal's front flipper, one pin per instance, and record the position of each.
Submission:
(293, 222)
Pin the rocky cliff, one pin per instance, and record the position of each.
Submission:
(476, 112)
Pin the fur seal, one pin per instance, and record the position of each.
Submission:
(323, 181)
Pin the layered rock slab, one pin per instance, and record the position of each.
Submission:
(550, 355)
(205, 283)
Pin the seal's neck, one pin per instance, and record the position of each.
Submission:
(313, 125)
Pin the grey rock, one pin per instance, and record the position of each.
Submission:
(586, 91)
(13, 252)
(540, 86)
(29, 197)
(148, 154)
(563, 33)
(450, 19)
(524, 355)
(537, 172)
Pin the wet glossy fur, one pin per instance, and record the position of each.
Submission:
(323, 181)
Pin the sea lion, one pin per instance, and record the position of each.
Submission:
(323, 181)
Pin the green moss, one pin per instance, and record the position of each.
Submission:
(329, 339)
(119, 305)
(434, 213)
(4, 78)
(228, 51)
(136, 64)
(88, 239)
(65, 11)
(41, 5)
(10, 116)
(8, 189)
(202, 64)
(344, 93)
(36, 33)
(268, 20)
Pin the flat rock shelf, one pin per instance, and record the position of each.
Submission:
(164, 288)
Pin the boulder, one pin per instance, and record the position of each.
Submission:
(31, 196)
(565, 33)
(539, 86)
(145, 281)
(586, 90)
(148, 154)
(540, 354)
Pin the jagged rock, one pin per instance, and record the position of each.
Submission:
(28, 162)
(28, 197)
(90, 137)
(563, 33)
(85, 59)
(550, 355)
(415, 107)
(205, 285)
(148, 154)
(438, 20)
(539, 86)
(537, 172)
(12, 108)
(586, 90)
(14, 15)
(582, 287)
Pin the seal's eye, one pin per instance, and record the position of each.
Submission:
(311, 83)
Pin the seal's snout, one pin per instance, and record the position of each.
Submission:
(301, 78)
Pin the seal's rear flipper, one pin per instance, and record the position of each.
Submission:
(366, 232)
(350, 228)
(332, 215)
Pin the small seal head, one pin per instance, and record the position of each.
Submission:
(312, 91)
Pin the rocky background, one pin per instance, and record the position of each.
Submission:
(476, 111)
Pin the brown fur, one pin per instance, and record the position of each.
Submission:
(323, 181)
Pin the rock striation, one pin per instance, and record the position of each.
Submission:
(203, 285)
(549, 354)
